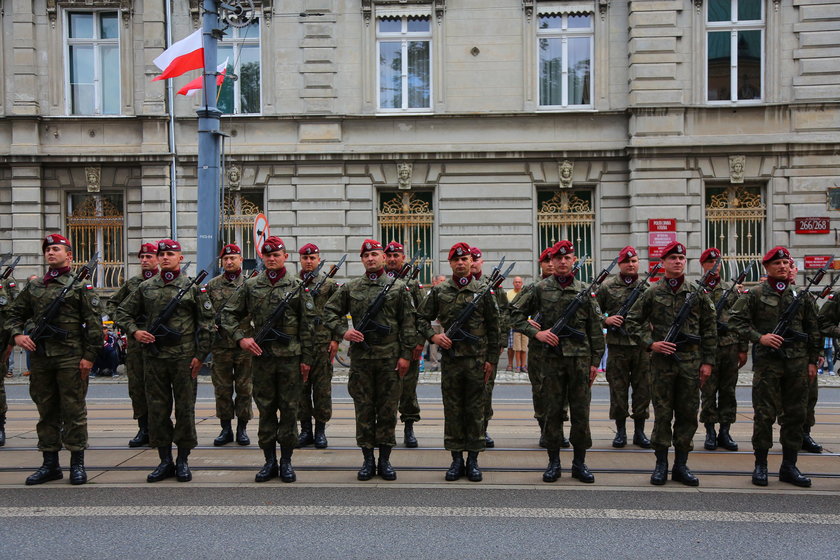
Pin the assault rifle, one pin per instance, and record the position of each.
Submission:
(456, 332)
(268, 332)
(415, 272)
(10, 268)
(675, 334)
(5, 257)
(367, 324)
(332, 272)
(827, 290)
(632, 297)
(721, 304)
(415, 260)
(783, 327)
(164, 336)
(44, 329)
(218, 316)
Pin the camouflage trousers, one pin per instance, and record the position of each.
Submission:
(232, 371)
(488, 395)
(813, 396)
(277, 388)
(375, 387)
(136, 378)
(717, 396)
(535, 377)
(566, 380)
(316, 396)
(463, 391)
(780, 389)
(675, 392)
(169, 382)
(409, 407)
(628, 367)
(4, 407)
(58, 391)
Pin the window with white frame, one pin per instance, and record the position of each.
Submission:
(404, 54)
(240, 92)
(734, 50)
(565, 53)
(93, 63)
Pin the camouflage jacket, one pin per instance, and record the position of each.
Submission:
(79, 315)
(125, 290)
(728, 336)
(257, 301)
(535, 347)
(397, 313)
(8, 292)
(611, 296)
(323, 335)
(757, 312)
(503, 305)
(415, 289)
(653, 314)
(550, 300)
(193, 317)
(445, 303)
(220, 290)
(829, 316)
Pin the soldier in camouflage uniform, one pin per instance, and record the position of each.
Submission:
(829, 319)
(316, 397)
(58, 380)
(570, 366)
(628, 364)
(717, 397)
(8, 292)
(378, 366)
(134, 353)
(808, 443)
(782, 369)
(466, 364)
(282, 363)
(675, 383)
(231, 364)
(171, 364)
(409, 407)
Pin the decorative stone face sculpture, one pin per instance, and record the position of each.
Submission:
(736, 168)
(92, 176)
(404, 176)
(566, 170)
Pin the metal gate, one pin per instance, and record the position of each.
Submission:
(95, 222)
(735, 222)
(406, 217)
(568, 214)
(240, 210)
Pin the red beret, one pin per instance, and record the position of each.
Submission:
(563, 247)
(545, 255)
(673, 248)
(627, 253)
(168, 245)
(394, 247)
(230, 249)
(55, 239)
(459, 250)
(147, 248)
(370, 245)
(710, 254)
(775, 253)
(475, 252)
(273, 244)
(309, 249)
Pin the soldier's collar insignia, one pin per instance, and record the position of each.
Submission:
(170, 275)
(231, 276)
(564, 281)
(713, 281)
(54, 273)
(149, 274)
(675, 283)
(628, 278)
(463, 281)
(391, 273)
(275, 275)
(374, 276)
(780, 286)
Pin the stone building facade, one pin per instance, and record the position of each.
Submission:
(506, 123)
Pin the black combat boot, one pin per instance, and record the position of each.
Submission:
(660, 471)
(620, 439)
(639, 437)
(320, 436)
(788, 471)
(77, 468)
(166, 468)
(552, 471)
(287, 473)
(488, 441)
(725, 440)
(226, 435)
(579, 469)
(681, 472)
(384, 469)
(305, 438)
(564, 441)
(759, 476)
(456, 469)
(50, 470)
(269, 469)
(711, 437)
(808, 443)
(369, 466)
(241, 432)
(142, 437)
(541, 422)
(182, 467)
(410, 440)
(473, 472)
(2, 430)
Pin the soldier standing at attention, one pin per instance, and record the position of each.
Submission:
(466, 365)
(628, 364)
(58, 380)
(379, 360)
(677, 371)
(717, 397)
(570, 364)
(170, 365)
(8, 293)
(316, 397)
(231, 364)
(782, 370)
(409, 407)
(282, 363)
(134, 353)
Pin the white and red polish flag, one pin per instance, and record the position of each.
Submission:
(183, 56)
(195, 85)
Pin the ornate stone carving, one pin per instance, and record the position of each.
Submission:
(234, 177)
(404, 170)
(125, 7)
(698, 5)
(93, 177)
(566, 169)
(528, 7)
(603, 6)
(736, 168)
(369, 5)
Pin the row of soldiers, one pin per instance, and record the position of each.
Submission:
(274, 336)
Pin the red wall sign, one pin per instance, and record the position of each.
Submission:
(813, 225)
(661, 233)
(816, 261)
